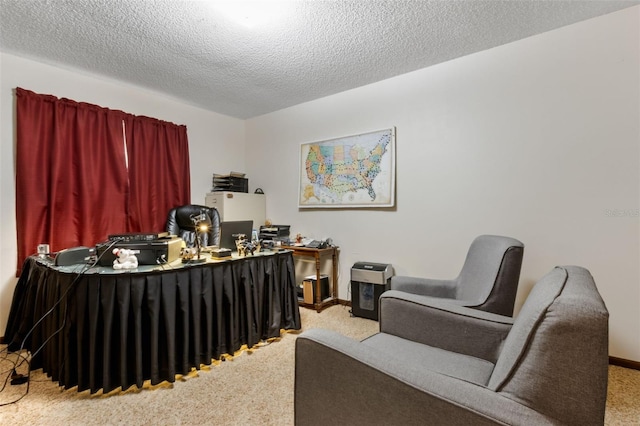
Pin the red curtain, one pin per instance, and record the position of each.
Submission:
(158, 172)
(73, 184)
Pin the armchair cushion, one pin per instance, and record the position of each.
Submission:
(407, 352)
(532, 313)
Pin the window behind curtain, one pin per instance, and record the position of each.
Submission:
(74, 183)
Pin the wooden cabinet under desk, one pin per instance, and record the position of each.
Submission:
(320, 254)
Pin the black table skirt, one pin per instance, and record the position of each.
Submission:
(118, 330)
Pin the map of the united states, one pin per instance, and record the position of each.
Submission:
(344, 170)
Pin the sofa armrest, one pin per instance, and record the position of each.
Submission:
(444, 325)
(340, 380)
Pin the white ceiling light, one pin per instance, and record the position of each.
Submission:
(250, 14)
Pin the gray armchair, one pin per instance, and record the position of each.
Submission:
(488, 280)
(469, 367)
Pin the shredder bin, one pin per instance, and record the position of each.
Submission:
(368, 281)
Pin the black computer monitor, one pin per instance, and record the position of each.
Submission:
(229, 232)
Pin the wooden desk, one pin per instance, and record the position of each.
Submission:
(318, 255)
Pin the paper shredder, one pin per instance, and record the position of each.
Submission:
(368, 281)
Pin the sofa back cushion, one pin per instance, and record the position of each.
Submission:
(555, 359)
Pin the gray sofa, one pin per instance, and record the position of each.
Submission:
(442, 364)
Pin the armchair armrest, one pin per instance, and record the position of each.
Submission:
(340, 380)
(424, 286)
(442, 324)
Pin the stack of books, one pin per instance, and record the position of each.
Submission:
(234, 182)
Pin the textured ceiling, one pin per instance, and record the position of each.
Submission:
(191, 50)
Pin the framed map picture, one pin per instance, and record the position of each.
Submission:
(352, 171)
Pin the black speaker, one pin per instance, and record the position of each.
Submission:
(72, 256)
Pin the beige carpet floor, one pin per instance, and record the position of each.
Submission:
(254, 387)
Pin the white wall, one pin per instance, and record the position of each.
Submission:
(537, 139)
(216, 142)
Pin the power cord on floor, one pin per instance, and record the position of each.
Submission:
(18, 379)
(15, 378)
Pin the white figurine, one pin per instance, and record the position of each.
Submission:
(125, 259)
